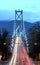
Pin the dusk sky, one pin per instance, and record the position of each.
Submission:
(31, 9)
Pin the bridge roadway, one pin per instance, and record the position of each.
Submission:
(20, 57)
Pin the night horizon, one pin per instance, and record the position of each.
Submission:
(27, 16)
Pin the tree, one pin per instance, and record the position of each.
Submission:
(5, 42)
(34, 39)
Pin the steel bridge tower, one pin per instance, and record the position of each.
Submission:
(19, 28)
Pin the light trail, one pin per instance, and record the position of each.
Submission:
(13, 60)
(14, 57)
(20, 54)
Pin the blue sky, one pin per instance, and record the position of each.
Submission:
(30, 7)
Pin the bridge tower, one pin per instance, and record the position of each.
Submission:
(19, 28)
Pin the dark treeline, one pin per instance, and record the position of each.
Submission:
(34, 40)
(5, 42)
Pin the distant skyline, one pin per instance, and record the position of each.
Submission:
(31, 9)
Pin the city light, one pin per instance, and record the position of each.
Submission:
(0, 56)
(4, 43)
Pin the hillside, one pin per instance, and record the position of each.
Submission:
(9, 25)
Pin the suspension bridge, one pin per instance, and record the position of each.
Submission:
(19, 54)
